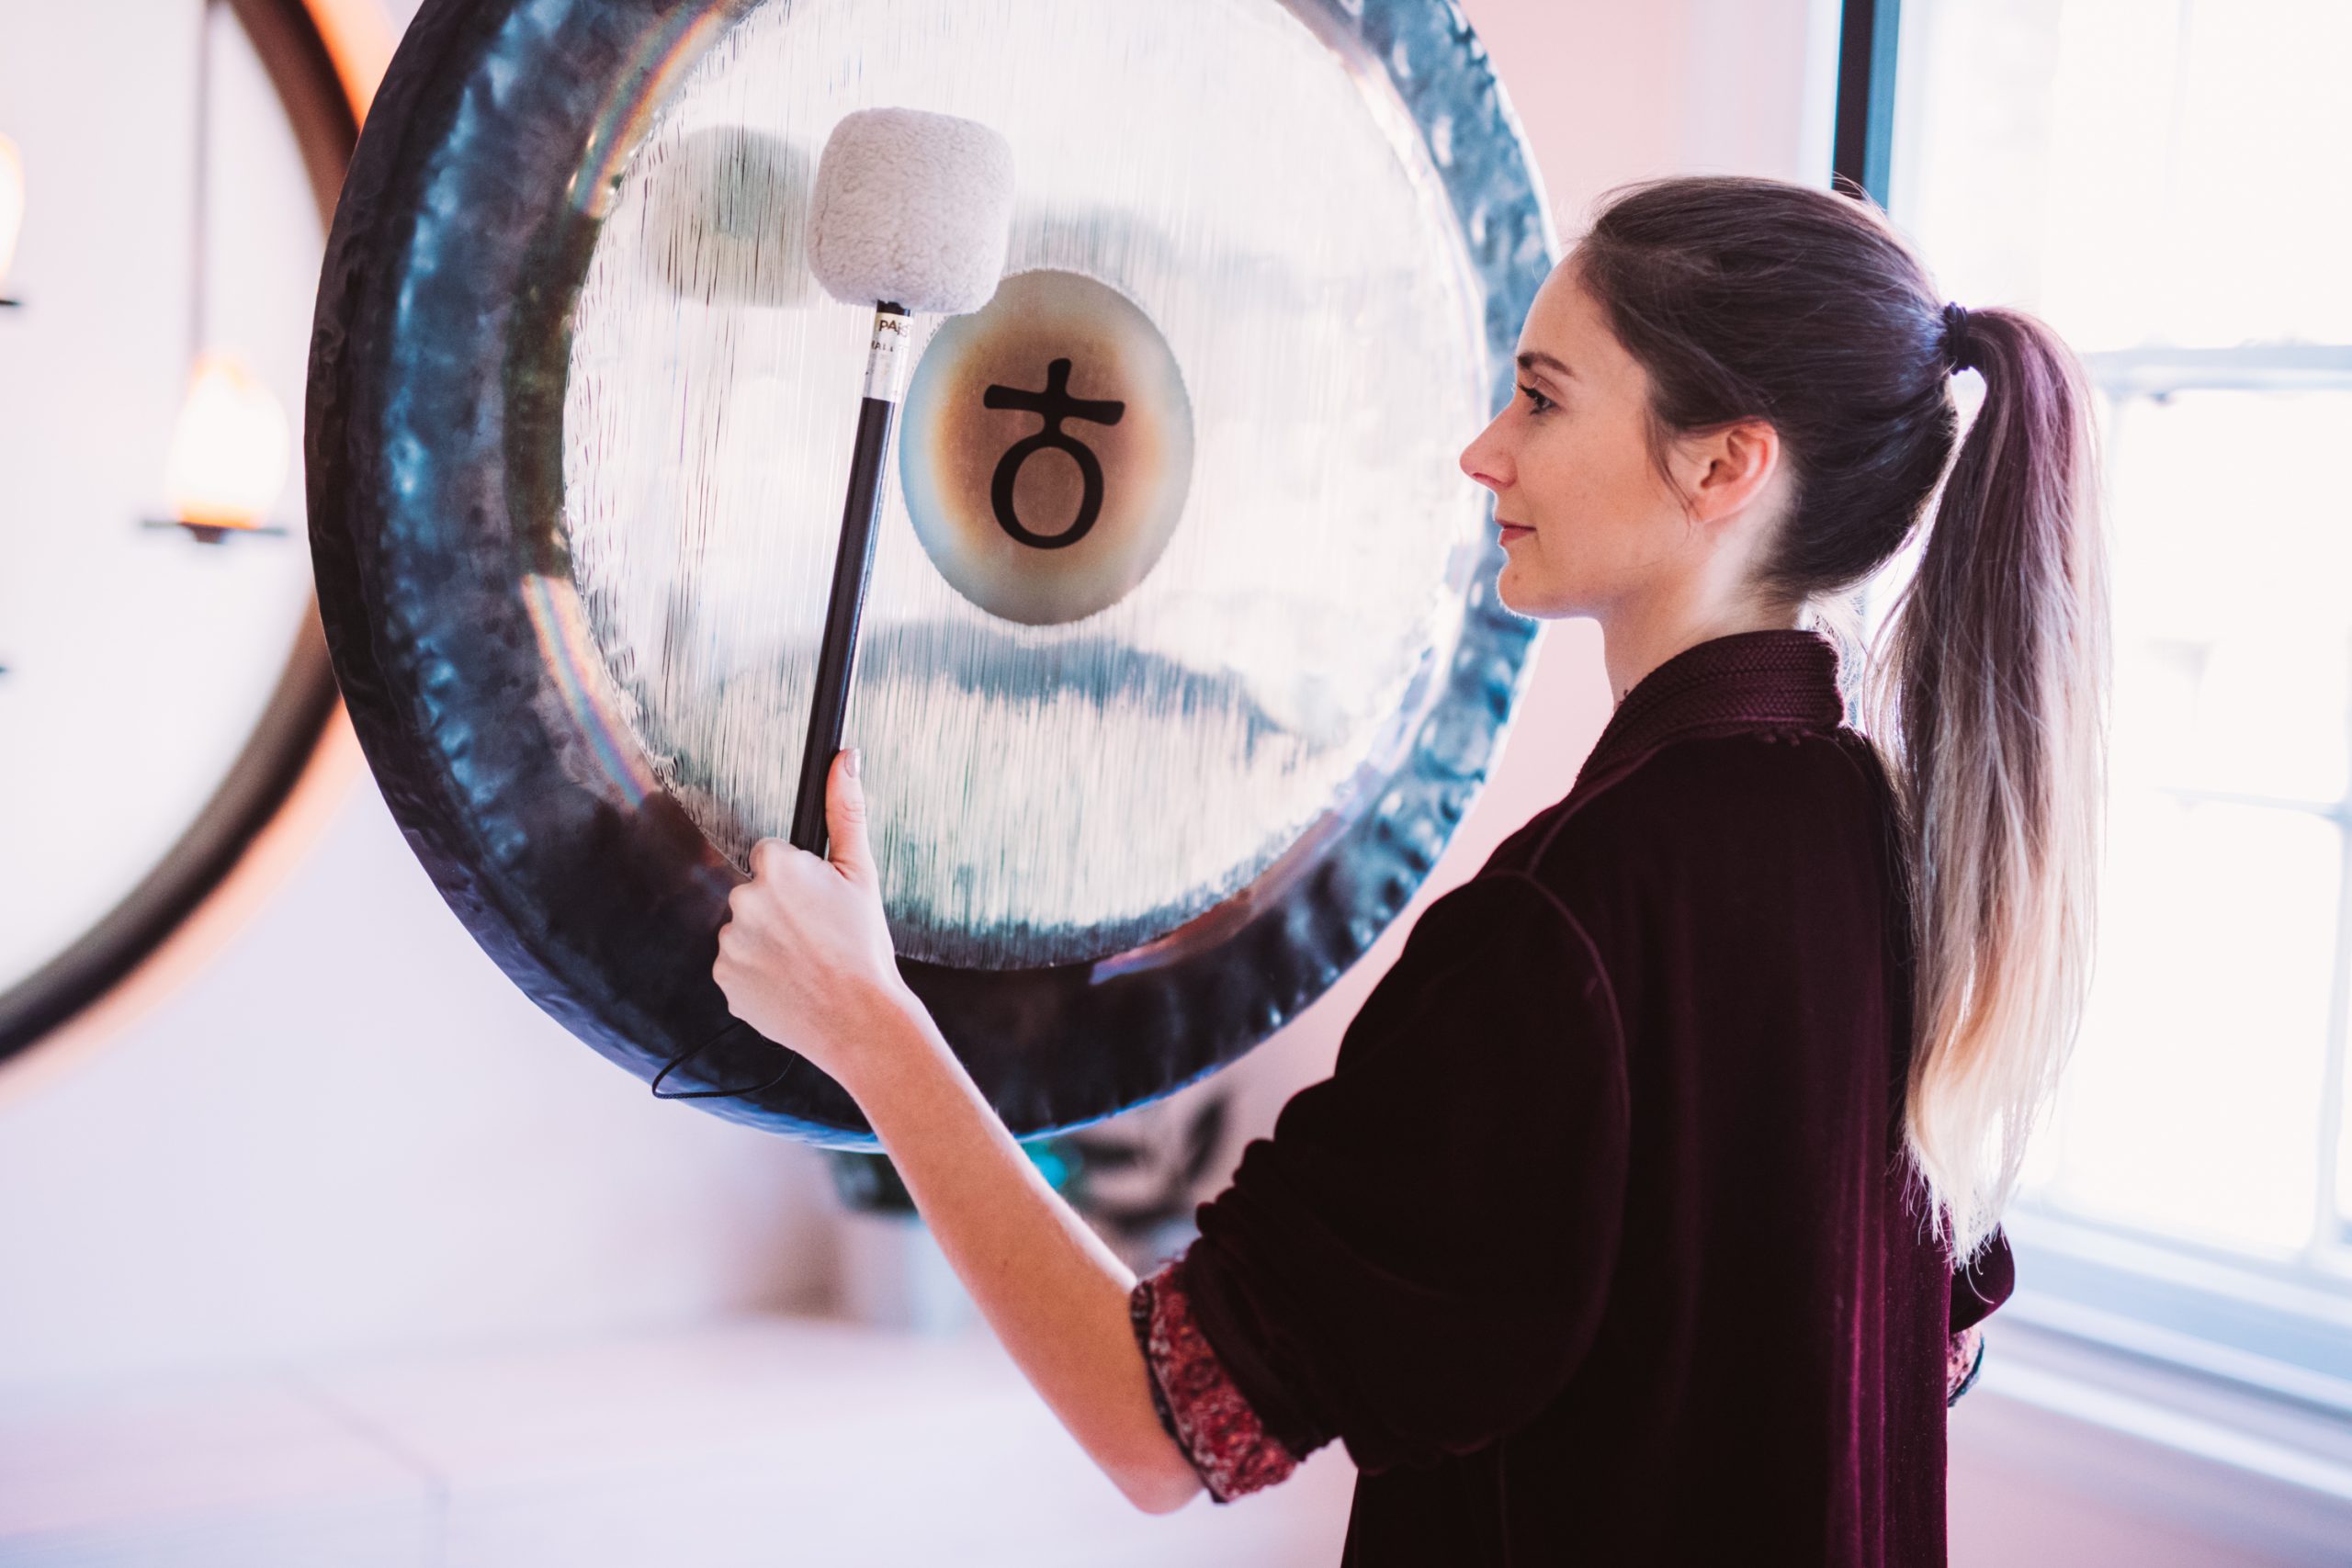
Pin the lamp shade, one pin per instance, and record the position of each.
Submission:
(230, 450)
(12, 204)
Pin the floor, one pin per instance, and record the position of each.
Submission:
(786, 1441)
(772, 1441)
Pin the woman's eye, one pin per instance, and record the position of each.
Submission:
(1541, 401)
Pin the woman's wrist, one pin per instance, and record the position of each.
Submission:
(899, 1043)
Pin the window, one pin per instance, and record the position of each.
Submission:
(2165, 182)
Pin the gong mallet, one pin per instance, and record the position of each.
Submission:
(912, 212)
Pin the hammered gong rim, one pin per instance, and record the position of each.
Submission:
(433, 438)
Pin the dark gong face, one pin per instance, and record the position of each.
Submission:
(1181, 656)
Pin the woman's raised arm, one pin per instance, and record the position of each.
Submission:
(805, 959)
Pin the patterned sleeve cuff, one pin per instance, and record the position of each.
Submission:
(1963, 1359)
(1198, 1403)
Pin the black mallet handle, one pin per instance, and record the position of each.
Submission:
(852, 565)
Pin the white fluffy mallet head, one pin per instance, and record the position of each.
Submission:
(912, 208)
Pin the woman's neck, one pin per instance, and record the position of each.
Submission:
(1633, 642)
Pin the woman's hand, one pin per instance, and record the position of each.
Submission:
(805, 956)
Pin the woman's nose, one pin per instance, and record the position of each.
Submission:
(1481, 464)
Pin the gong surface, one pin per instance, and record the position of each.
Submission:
(1040, 794)
(1162, 731)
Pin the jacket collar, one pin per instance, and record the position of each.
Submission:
(1781, 680)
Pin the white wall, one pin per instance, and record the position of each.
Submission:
(352, 1134)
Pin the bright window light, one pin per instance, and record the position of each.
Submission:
(2166, 184)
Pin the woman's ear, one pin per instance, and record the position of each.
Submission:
(1726, 470)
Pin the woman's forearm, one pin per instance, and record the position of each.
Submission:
(804, 957)
(1055, 1294)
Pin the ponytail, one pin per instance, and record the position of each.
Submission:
(1746, 299)
(1992, 690)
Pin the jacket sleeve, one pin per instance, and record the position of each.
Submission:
(1976, 1290)
(1985, 1284)
(1416, 1261)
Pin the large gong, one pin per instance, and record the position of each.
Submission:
(1181, 657)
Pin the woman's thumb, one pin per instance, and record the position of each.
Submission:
(845, 844)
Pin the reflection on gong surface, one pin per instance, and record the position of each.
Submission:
(1066, 766)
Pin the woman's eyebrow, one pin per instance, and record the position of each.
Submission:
(1535, 359)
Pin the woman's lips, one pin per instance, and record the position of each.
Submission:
(1512, 531)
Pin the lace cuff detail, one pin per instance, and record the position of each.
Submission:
(1963, 1359)
(1198, 1403)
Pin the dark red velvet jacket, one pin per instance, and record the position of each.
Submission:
(1595, 1248)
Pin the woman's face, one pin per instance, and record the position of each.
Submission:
(1587, 518)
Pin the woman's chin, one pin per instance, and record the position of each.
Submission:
(1520, 595)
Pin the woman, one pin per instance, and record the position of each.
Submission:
(1651, 1208)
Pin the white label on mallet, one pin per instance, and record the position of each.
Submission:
(885, 369)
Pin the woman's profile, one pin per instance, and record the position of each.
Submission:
(1651, 1210)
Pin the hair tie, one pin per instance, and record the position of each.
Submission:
(1959, 343)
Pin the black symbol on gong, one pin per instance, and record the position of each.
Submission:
(1054, 405)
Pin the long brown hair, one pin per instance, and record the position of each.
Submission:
(1748, 299)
